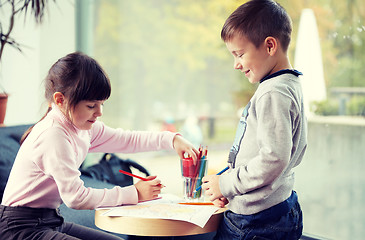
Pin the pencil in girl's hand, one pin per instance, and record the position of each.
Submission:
(133, 175)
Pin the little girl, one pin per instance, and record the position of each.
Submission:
(45, 172)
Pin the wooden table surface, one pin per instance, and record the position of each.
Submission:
(154, 227)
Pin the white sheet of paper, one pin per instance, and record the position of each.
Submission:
(166, 207)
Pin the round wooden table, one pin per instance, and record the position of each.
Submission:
(155, 227)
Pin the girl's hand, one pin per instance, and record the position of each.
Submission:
(148, 190)
(182, 146)
(211, 187)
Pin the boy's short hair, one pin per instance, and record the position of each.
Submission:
(258, 19)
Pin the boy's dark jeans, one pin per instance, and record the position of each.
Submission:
(282, 221)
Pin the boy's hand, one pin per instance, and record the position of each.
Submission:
(148, 190)
(221, 202)
(182, 146)
(211, 187)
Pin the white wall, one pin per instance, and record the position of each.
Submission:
(330, 180)
(23, 74)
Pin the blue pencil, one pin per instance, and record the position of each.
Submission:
(225, 169)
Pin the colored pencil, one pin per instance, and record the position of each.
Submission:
(142, 178)
(133, 175)
(196, 203)
(225, 169)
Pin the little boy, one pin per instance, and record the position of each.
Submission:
(271, 137)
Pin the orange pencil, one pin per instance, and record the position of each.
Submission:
(196, 203)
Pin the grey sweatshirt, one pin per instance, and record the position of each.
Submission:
(271, 144)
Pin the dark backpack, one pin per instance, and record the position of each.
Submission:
(107, 170)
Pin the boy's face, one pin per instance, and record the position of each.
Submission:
(254, 62)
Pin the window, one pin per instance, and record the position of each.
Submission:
(167, 63)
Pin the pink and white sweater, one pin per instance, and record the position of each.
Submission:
(45, 172)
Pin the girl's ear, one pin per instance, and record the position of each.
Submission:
(271, 45)
(59, 99)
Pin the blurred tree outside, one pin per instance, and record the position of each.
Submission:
(342, 32)
(325, 108)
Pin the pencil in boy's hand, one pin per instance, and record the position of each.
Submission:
(225, 169)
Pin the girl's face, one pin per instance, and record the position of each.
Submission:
(253, 62)
(86, 113)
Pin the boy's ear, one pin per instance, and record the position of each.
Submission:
(59, 99)
(271, 45)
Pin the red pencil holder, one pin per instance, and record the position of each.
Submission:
(192, 177)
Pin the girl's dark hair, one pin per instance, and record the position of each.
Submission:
(257, 20)
(78, 77)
